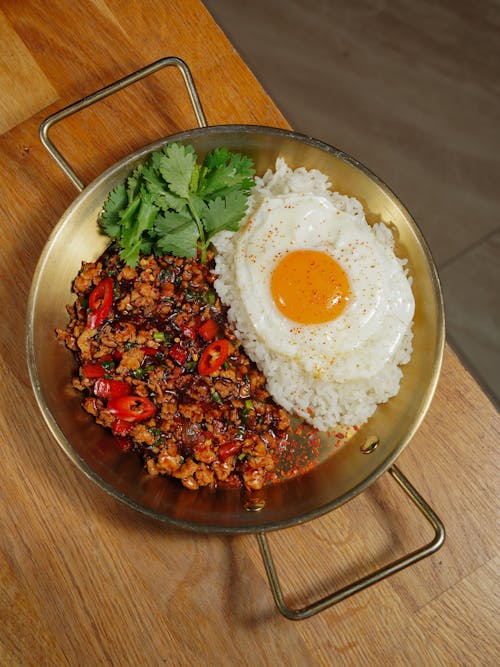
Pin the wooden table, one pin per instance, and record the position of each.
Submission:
(86, 581)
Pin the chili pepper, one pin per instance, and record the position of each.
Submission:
(117, 355)
(208, 330)
(150, 351)
(100, 302)
(124, 443)
(111, 388)
(178, 354)
(121, 427)
(93, 370)
(132, 408)
(191, 331)
(213, 357)
(228, 449)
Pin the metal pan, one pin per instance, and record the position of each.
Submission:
(335, 479)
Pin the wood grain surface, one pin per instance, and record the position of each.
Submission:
(85, 580)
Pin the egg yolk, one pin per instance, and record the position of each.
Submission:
(309, 287)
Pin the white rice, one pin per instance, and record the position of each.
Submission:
(324, 404)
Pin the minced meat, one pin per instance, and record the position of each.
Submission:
(216, 429)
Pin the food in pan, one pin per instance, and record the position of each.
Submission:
(173, 204)
(318, 298)
(161, 367)
(195, 334)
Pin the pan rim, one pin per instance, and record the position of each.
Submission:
(319, 511)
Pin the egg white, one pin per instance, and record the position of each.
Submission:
(363, 338)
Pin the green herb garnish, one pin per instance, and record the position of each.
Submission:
(159, 336)
(172, 204)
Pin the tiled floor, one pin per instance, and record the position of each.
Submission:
(411, 89)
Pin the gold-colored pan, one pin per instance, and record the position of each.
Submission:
(335, 478)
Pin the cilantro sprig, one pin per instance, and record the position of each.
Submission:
(172, 204)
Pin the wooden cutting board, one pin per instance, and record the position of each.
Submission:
(86, 581)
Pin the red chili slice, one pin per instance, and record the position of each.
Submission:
(208, 329)
(93, 370)
(178, 354)
(132, 408)
(111, 388)
(213, 357)
(100, 302)
(121, 427)
(150, 351)
(124, 443)
(228, 449)
(189, 332)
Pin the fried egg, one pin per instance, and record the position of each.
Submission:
(319, 288)
(318, 298)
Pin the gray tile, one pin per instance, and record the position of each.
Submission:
(412, 89)
(471, 285)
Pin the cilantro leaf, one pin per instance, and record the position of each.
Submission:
(166, 200)
(224, 213)
(147, 243)
(157, 186)
(217, 157)
(132, 233)
(173, 204)
(154, 182)
(110, 217)
(176, 166)
(134, 184)
(177, 234)
(225, 173)
(146, 214)
(164, 223)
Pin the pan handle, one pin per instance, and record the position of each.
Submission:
(359, 585)
(109, 90)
